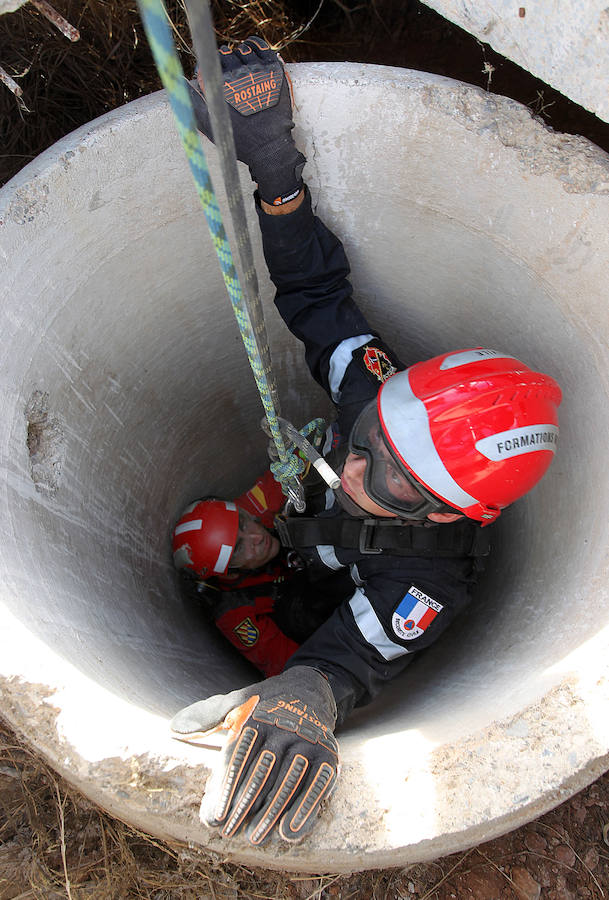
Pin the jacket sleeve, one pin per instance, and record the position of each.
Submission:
(309, 268)
(246, 622)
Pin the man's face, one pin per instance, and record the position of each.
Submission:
(395, 484)
(255, 546)
(352, 481)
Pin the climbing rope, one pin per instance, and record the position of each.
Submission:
(246, 304)
(301, 449)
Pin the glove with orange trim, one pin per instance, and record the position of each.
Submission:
(257, 89)
(280, 760)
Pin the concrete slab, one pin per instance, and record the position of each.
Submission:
(563, 42)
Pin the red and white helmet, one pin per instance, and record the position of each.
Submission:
(204, 537)
(472, 430)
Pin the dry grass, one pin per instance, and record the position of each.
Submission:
(67, 84)
(54, 843)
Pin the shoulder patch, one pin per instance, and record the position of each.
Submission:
(414, 613)
(375, 361)
(247, 632)
(256, 497)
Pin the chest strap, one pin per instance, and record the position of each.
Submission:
(394, 537)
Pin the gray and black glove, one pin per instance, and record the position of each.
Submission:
(257, 89)
(281, 757)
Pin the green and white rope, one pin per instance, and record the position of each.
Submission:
(159, 36)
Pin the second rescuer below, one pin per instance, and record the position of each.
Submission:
(257, 593)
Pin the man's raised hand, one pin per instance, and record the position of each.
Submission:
(257, 89)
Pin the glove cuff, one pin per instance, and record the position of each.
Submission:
(312, 687)
(278, 172)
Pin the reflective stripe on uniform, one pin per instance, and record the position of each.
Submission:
(327, 555)
(371, 629)
(328, 441)
(340, 359)
(355, 575)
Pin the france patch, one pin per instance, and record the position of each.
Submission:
(414, 613)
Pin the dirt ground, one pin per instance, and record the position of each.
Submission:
(53, 842)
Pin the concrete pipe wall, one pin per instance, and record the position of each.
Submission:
(126, 393)
(565, 43)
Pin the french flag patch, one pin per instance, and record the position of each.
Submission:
(414, 613)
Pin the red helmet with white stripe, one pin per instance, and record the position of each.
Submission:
(204, 537)
(468, 431)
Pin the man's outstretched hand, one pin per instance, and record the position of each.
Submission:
(280, 759)
(257, 89)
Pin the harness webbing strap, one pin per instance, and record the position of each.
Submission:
(392, 536)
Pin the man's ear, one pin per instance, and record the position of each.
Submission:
(444, 517)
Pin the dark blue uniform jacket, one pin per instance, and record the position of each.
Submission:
(399, 605)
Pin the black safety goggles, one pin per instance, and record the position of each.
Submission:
(386, 481)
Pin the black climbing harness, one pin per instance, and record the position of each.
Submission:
(395, 537)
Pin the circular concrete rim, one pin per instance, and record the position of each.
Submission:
(518, 741)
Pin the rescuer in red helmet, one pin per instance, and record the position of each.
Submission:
(251, 587)
(428, 455)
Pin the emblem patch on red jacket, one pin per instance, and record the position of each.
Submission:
(414, 613)
(247, 632)
(377, 362)
(256, 497)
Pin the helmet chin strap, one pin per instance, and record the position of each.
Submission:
(349, 505)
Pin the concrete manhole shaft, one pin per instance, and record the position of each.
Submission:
(126, 394)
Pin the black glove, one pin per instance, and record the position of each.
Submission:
(281, 757)
(256, 86)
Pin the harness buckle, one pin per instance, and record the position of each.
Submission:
(281, 527)
(365, 537)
